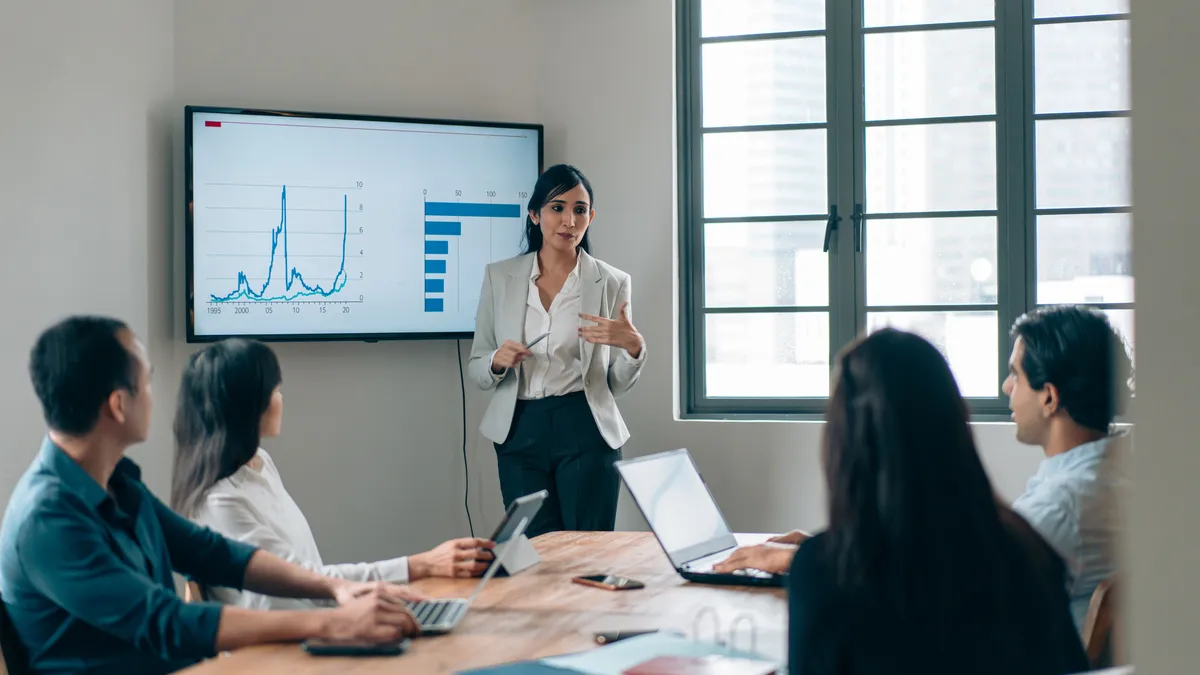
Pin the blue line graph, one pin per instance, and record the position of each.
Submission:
(292, 276)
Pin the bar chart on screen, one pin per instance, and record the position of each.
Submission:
(447, 225)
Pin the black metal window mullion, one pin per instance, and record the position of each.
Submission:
(1014, 145)
(691, 168)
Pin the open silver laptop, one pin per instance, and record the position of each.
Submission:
(438, 616)
(679, 508)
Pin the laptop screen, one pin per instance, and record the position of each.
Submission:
(677, 505)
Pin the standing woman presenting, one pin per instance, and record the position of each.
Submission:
(554, 416)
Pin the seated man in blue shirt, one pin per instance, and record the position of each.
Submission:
(87, 552)
(1069, 377)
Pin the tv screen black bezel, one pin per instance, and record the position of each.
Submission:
(189, 224)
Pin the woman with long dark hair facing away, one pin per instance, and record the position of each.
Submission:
(922, 569)
(554, 417)
(229, 399)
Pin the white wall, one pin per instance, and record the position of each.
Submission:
(85, 178)
(1164, 547)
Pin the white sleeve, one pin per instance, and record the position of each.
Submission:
(484, 344)
(624, 370)
(233, 517)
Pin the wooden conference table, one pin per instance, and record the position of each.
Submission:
(539, 613)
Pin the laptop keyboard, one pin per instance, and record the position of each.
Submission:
(435, 612)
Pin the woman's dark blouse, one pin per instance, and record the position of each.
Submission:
(836, 631)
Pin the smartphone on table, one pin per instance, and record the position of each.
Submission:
(318, 647)
(609, 582)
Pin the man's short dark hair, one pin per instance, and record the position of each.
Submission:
(1077, 350)
(75, 366)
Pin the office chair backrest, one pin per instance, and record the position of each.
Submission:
(1101, 636)
(192, 592)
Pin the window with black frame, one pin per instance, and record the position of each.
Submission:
(940, 166)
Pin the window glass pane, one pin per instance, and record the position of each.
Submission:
(765, 173)
(1043, 9)
(747, 17)
(767, 355)
(765, 265)
(912, 12)
(1082, 67)
(1084, 259)
(968, 340)
(931, 167)
(941, 73)
(931, 261)
(1083, 163)
(1122, 320)
(767, 82)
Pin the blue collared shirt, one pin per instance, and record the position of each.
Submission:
(1074, 502)
(85, 572)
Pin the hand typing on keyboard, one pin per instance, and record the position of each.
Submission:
(751, 573)
(766, 558)
(372, 616)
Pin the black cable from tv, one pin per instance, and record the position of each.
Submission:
(462, 385)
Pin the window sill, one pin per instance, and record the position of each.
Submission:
(811, 418)
(988, 418)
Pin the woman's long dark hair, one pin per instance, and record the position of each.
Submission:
(552, 183)
(226, 389)
(913, 519)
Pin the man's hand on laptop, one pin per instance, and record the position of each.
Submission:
(769, 557)
(795, 537)
(457, 558)
(372, 612)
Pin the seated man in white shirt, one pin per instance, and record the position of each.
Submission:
(229, 398)
(1069, 377)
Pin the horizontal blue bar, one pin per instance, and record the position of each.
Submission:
(437, 246)
(433, 304)
(443, 229)
(435, 285)
(435, 267)
(468, 210)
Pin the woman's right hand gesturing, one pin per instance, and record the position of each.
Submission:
(510, 355)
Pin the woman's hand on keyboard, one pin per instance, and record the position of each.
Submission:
(773, 558)
(795, 537)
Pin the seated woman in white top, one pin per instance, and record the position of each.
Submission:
(229, 398)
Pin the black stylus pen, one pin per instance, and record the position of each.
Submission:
(609, 637)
